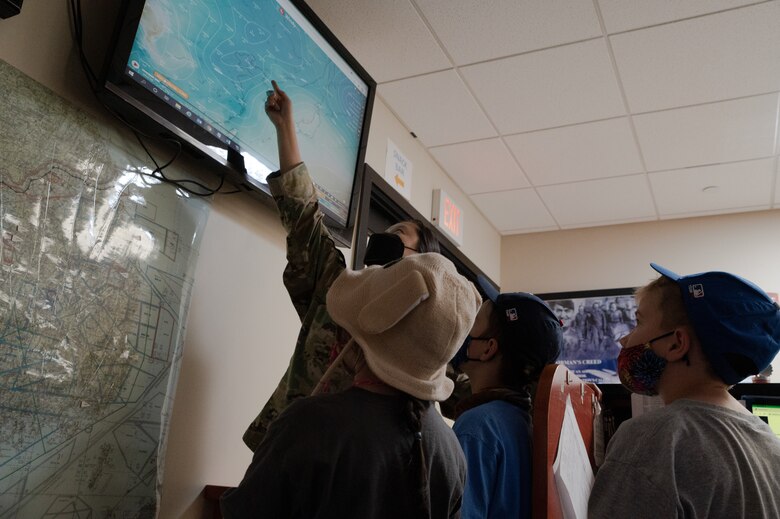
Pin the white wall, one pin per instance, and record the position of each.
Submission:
(241, 327)
(746, 244)
(240, 333)
(481, 242)
(38, 42)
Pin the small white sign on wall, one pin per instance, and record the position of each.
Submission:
(398, 170)
(447, 216)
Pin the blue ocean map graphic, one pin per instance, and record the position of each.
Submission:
(217, 58)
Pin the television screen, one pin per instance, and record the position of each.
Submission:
(593, 322)
(767, 408)
(201, 69)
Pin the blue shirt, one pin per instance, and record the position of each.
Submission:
(496, 439)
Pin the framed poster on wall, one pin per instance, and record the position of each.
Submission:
(593, 322)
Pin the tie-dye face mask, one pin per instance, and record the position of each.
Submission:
(640, 368)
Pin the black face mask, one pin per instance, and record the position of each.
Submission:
(382, 248)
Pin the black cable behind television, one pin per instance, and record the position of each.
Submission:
(199, 71)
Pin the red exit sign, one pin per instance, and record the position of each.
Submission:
(448, 216)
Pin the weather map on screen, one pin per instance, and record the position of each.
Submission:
(213, 60)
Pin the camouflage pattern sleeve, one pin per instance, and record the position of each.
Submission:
(313, 263)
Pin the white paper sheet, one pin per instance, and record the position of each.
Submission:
(641, 404)
(573, 474)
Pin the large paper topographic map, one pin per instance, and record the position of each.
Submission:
(96, 268)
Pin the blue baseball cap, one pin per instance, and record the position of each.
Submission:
(737, 323)
(527, 322)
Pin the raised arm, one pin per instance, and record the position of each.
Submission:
(313, 262)
(278, 107)
(313, 259)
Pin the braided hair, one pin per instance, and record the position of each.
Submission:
(417, 463)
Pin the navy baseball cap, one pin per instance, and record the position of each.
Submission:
(737, 323)
(527, 321)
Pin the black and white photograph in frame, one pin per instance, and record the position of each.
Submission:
(593, 322)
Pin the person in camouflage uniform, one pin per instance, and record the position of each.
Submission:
(313, 263)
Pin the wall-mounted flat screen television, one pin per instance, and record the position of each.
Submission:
(200, 70)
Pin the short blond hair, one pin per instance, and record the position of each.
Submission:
(670, 301)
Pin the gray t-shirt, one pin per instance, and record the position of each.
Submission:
(691, 460)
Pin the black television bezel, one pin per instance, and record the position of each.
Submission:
(767, 400)
(151, 115)
(752, 400)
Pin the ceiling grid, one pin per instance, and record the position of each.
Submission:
(562, 114)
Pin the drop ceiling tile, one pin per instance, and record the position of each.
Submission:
(582, 152)
(389, 39)
(715, 57)
(570, 84)
(504, 27)
(438, 108)
(480, 166)
(623, 15)
(708, 189)
(708, 134)
(515, 211)
(600, 202)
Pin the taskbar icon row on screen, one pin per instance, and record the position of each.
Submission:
(154, 83)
